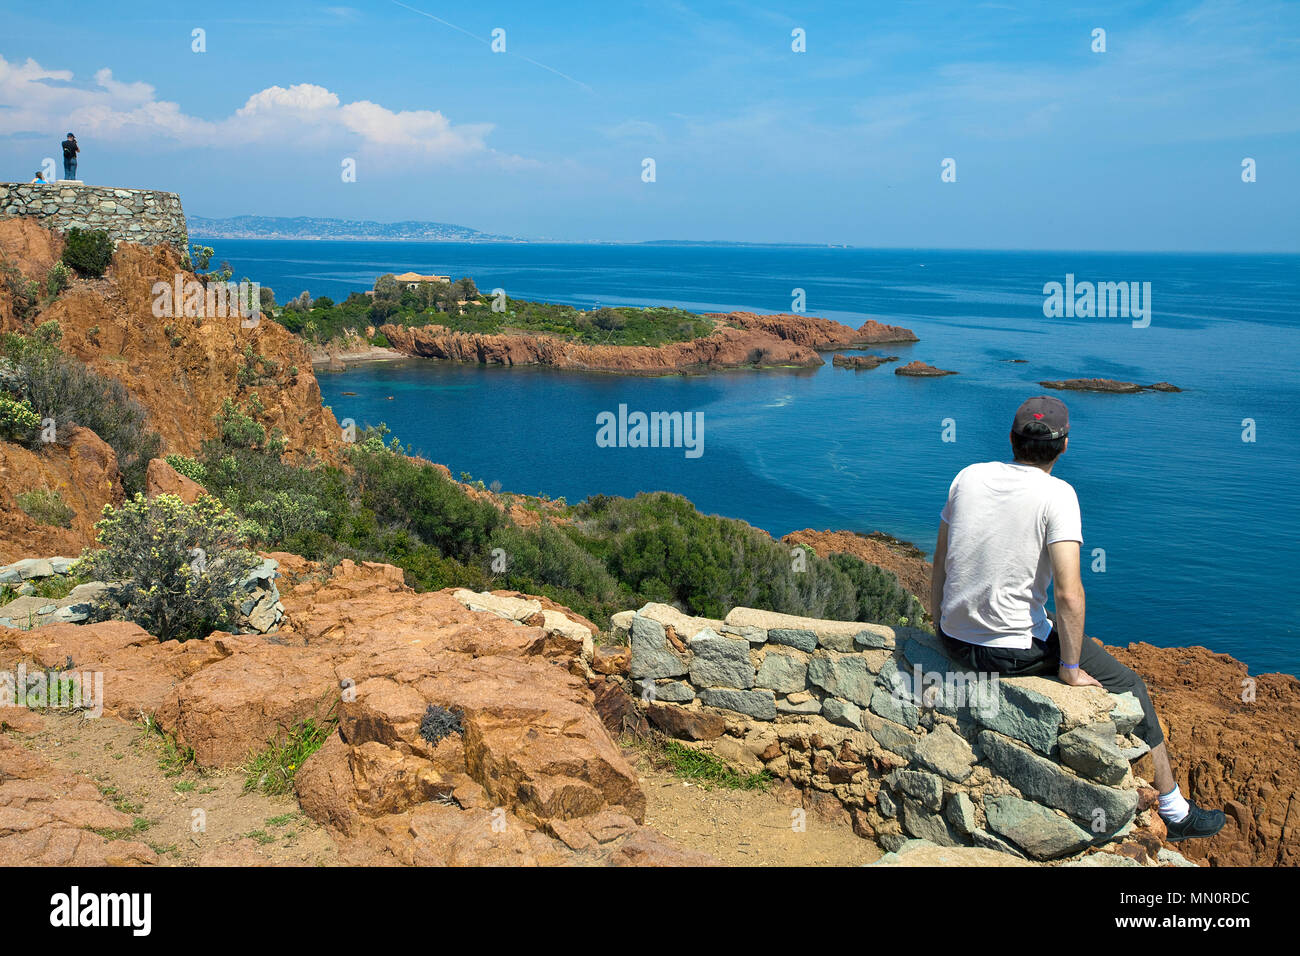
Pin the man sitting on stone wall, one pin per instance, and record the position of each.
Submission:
(1007, 531)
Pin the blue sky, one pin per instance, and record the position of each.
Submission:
(1056, 146)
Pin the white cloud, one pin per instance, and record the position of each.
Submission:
(39, 101)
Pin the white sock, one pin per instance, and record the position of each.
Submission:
(1173, 805)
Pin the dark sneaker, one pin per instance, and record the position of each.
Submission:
(1198, 823)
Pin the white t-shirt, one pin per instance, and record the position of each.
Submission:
(1001, 518)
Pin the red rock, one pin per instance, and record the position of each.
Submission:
(862, 824)
(616, 709)
(919, 369)
(611, 659)
(726, 347)
(162, 479)
(862, 362)
(686, 724)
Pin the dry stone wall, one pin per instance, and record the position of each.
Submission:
(909, 742)
(146, 216)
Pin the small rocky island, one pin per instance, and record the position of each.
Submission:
(1108, 385)
(862, 363)
(920, 370)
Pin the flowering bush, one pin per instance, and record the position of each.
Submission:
(178, 570)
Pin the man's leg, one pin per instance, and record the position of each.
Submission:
(1183, 818)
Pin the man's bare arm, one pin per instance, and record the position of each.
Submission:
(1068, 587)
(938, 573)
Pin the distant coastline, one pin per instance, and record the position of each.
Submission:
(309, 228)
(324, 229)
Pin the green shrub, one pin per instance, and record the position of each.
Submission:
(57, 279)
(18, 420)
(48, 333)
(238, 429)
(24, 294)
(416, 496)
(46, 507)
(88, 251)
(189, 467)
(60, 387)
(180, 568)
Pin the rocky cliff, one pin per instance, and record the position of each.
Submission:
(818, 333)
(181, 369)
(741, 340)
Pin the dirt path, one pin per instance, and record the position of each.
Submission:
(189, 818)
(746, 827)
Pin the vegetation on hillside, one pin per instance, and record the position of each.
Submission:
(598, 557)
(461, 307)
(88, 251)
(37, 379)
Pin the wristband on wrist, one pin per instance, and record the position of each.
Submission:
(1068, 666)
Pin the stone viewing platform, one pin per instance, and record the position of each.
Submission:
(146, 216)
(914, 746)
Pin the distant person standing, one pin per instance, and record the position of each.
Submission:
(70, 151)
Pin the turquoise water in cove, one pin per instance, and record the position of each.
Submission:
(1197, 528)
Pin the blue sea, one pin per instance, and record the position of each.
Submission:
(1190, 531)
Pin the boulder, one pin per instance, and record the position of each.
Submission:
(1040, 832)
(162, 479)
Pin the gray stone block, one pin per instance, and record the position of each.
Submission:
(1023, 714)
(784, 673)
(1092, 752)
(924, 787)
(873, 638)
(961, 813)
(720, 661)
(895, 738)
(945, 752)
(1103, 810)
(651, 655)
(887, 706)
(1040, 832)
(924, 825)
(759, 704)
(1127, 712)
(842, 712)
(674, 691)
(803, 640)
(844, 676)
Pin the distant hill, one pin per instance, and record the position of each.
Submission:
(310, 227)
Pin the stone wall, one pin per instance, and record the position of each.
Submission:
(908, 742)
(146, 216)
